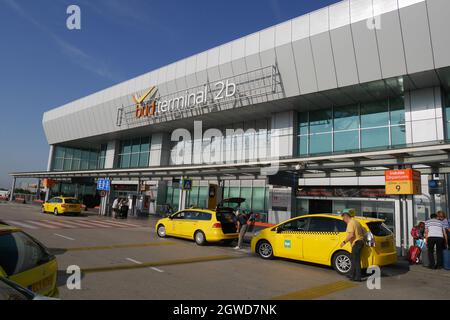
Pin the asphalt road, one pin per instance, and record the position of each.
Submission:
(126, 260)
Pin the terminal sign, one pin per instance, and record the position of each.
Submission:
(103, 184)
(403, 182)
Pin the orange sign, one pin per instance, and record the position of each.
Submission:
(47, 183)
(403, 182)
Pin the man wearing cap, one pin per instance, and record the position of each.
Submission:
(355, 235)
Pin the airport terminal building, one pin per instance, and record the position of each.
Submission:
(302, 117)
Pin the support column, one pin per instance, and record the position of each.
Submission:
(38, 191)
(13, 187)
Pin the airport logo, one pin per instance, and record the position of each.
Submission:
(149, 104)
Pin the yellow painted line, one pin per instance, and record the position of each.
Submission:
(158, 264)
(120, 246)
(318, 292)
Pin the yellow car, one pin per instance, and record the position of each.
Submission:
(200, 225)
(27, 262)
(62, 205)
(317, 239)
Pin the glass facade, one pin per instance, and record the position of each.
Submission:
(134, 153)
(447, 115)
(70, 159)
(350, 128)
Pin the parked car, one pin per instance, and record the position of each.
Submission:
(200, 225)
(317, 239)
(27, 262)
(62, 205)
(12, 291)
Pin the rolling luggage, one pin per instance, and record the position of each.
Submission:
(414, 255)
(446, 259)
(424, 257)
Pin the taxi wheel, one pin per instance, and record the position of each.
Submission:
(342, 262)
(200, 238)
(265, 250)
(162, 231)
(55, 212)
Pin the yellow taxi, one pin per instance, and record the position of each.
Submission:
(61, 205)
(200, 225)
(27, 262)
(317, 238)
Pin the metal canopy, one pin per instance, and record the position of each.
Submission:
(425, 158)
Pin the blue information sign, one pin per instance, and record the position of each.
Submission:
(103, 184)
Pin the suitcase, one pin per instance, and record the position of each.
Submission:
(414, 255)
(446, 259)
(424, 257)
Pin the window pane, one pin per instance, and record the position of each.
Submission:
(303, 145)
(126, 147)
(85, 155)
(372, 138)
(58, 164)
(258, 199)
(84, 165)
(303, 123)
(67, 164)
(246, 193)
(125, 161)
(320, 121)
(76, 165)
(136, 145)
(145, 146)
(398, 135)
(320, 143)
(69, 153)
(397, 111)
(134, 160)
(203, 197)
(374, 114)
(77, 154)
(346, 140)
(234, 192)
(59, 152)
(144, 160)
(346, 118)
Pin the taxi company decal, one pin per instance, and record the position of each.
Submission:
(148, 105)
(287, 244)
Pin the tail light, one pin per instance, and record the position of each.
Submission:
(369, 239)
(63, 206)
(217, 225)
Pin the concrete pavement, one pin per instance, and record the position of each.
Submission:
(131, 262)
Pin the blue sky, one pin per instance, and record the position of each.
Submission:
(44, 65)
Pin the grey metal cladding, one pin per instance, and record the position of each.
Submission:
(416, 38)
(438, 14)
(390, 45)
(328, 48)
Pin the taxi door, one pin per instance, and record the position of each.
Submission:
(289, 239)
(177, 223)
(322, 238)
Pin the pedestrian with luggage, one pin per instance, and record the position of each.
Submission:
(355, 236)
(435, 238)
(242, 228)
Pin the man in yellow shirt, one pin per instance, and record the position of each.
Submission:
(355, 235)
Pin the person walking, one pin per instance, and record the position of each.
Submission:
(435, 238)
(242, 228)
(355, 236)
(115, 207)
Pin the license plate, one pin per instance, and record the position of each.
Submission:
(42, 285)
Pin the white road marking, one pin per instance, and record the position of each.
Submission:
(67, 238)
(134, 261)
(20, 224)
(60, 224)
(157, 270)
(41, 224)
